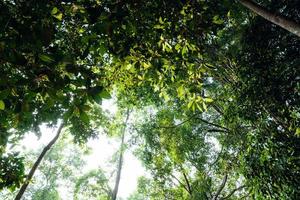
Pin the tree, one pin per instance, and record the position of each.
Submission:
(120, 161)
(239, 73)
(180, 155)
(43, 69)
(264, 98)
(37, 163)
(92, 185)
(61, 166)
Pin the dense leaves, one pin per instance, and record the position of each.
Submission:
(11, 171)
(221, 86)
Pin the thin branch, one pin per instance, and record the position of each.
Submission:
(198, 118)
(246, 195)
(216, 107)
(218, 158)
(187, 182)
(7, 23)
(233, 191)
(217, 130)
(221, 187)
(182, 184)
(175, 126)
(212, 124)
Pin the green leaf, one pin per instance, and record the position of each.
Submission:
(204, 106)
(97, 99)
(208, 100)
(217, 20)
(158, 26)
(161, 20)
(181, 92)
(54, 11)
(190, 104)
(102, 49)
(177, 47)
(297, 132)
(104, 94)
(84, 117)
(46, 58)
(2, 105)
(58, 16)
(68, 114)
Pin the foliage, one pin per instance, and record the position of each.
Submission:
(92, 185)
(11, 171)
(59, 168)
(264, 93)
(210, 69)
(180, 154)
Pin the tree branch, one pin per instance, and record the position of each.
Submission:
(182, 184)
(187, 182)
(279, 20)
(233, 191)
(212, 124)
(218, 158)
(191, 117)
(221, 187)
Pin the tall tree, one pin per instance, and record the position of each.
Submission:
(61, 166)
(121, 154)
(37, 163)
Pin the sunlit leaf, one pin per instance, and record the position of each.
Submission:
(46, 58)
(58, 16)
(54, 11)
(2, 105)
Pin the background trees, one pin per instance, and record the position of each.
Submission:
(61, 166)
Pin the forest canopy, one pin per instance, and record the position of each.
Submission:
(207, 93)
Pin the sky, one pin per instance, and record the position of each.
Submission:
(102, 150)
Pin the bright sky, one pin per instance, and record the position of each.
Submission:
(102, 150)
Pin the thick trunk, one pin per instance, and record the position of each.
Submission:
(37, 163)
(120, 163)
(281, 21)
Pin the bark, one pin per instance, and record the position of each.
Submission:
(279, 20)
(120, 163)
(37, 163)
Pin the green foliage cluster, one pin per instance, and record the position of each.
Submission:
(11, 171)
(215, 74)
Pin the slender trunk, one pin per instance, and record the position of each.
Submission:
(281, 21)
(120, 163)
(37, 163)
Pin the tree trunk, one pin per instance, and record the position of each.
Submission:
(281, 21)
(37, 163)
(120, 163)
